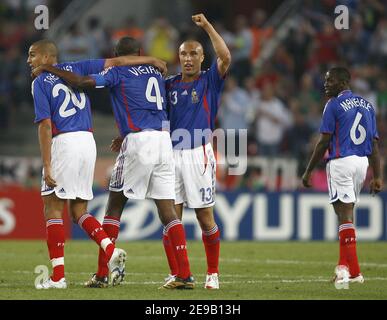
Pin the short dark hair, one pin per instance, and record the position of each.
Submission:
(47, 46)
(127, 46)
(341, 73)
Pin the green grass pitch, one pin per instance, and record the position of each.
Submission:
(249, 270)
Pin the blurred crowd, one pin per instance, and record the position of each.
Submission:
(279, 103)
(17, 32)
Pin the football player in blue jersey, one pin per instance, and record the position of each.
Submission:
(194, 97)
(68, 153)
(348, 130)
(144, 167)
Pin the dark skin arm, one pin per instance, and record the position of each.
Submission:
(45, 140)
(376, 183)
(73, 79)
(318, 153)
(134, 60)
(82, 82)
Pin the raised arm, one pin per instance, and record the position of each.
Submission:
(220, 47)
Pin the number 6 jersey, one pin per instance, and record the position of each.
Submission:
(68, 108)
(351, 121)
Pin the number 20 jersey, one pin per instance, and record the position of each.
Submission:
(68, 108)
(351, 121)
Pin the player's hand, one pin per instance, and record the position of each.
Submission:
(306, 180)
(161, 65)
(37, 71)
(48, 179)
(200, 20)
(376, 186)
(116, 144)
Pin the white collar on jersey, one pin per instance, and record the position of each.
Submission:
(344, 92)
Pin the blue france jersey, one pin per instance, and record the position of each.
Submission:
(138, 97)
(351, 121)
(194, 105)
(68, 108)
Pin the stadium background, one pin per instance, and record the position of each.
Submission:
(280, 50)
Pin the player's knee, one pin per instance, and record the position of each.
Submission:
(206, 219)
(167, 217)
(116, 204)
(50, 213)
(74, 217)
(345, 217)
(114, 212)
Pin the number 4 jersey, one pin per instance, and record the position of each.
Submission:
(351, 121)
(138, 97)
(68, 108)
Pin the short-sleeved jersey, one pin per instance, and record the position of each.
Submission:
(351, 121)
(68, 108)
(138, 97)
(194, 105)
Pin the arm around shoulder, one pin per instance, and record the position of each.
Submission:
(130, 60)
(73, 79)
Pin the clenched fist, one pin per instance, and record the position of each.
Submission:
(200, 20)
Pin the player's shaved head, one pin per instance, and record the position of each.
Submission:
(191, 43)
(42, 52)
(191, 57)
(341, 74)
(46, 47)
(127, 46)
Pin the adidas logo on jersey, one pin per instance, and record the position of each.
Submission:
(62, 191)
(184, 93)
(130, 191)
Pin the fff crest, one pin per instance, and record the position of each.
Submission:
(194, 96)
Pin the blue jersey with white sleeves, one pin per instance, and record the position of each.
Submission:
(194, 105)
(351, 121)
(138, 97)
(68, 108)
